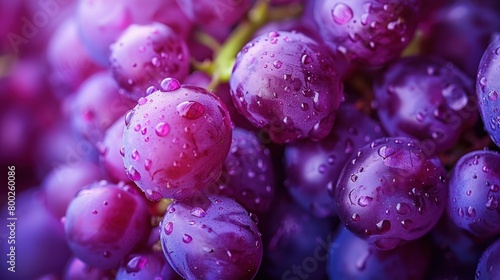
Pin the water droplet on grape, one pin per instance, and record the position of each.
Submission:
(133, 174)
(198, 212)
(170, 84)
(135, 155)
(363, 201)
(168, 228)
(355, 217)
(455, 97)
(306, 59)
(471, 212)
(190, 110)
(277, 64)
(493, 95)
(383, 226)
(342, 13)
(162, 129)
(186, 238)
(136, 264)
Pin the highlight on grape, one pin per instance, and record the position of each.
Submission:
(250, 139)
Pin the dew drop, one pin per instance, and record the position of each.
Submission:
(363, 201)
(133, 174)
(455, 97)
(153, 195)
(403, 208)
(383, 226)
(128, 117)
(460, 212)
(471, 212)
(106, 254)
(468, 193)
(162, 129)
(142, 101)
(136, 264)
(198, 212)
(122, 151)
(493, 95)
(355, 217)
(342, 13)
(186, 238)
(306, 59)
(135, 155)
(170, 84)
(147, 164)
(94, 212)
(354, 177)
(407, 224)
(277, 64)
(168, 228)
(190, 110)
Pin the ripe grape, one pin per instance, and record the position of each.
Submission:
(219, 13)
(176, 141)
(369, 33)
(144, 55)
(313, 168)
(213, 239)
(391, 191)
(353, 258)
(474, 193)
(488, 88)
(248, 174)
(110, 152)
(426, 98)
(106, 222)
(286, 83)
(488, 266)
(78, 270)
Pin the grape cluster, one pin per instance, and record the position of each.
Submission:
(250, 139)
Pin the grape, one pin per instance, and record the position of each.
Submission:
(37, 235)
(214, 239)
(390, 191)
(110, 151)
(295, 242)
(426, 98)
(287, 84)
(488, 88)
(176, 141)
(97, 105)
(369, 33)
(220, 13)
(70, 63)
(144, 55)
(313, 168)
(78, 270)
(61, 184)
(474, 193)
(488, 266)
(105, 222)
(248, 174)
(101, 22)
(353, 258)
(148, 265)
(466, 24)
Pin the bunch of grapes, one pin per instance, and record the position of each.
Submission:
(250, 139)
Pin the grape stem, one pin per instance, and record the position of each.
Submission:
(221, 67)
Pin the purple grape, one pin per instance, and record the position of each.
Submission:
(474, 197)
(426, 98)
(61, 185)
(78, 270)
(488, 89)
(110, 152)
(488, 267)
(460, 32)
(176, 140)
(146, 54)
(70, 63)
(295, 242)
(97, 105)
(106, 222)
(36, 235)
(220, 13)
(353, 258)
(101, 22)
(369, 33)
(215, 239)
(287, 84)
(390, 191)
(148, 265)
(248, 174)
(313, 168)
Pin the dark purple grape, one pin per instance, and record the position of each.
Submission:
(69, 60)
(110, 152)
(248, 174)
(287, 84)
(353, 258)
(220, 13)
(391, 191)
(426, 98)
(97, 105)
(473, 202)
(61, 185)
(488, 267)
(144, 55)
(216, 239)
(295, 242)
(488, 89)
(105, 222)
(78, 270)
(313, 168)
(460, 32)
(369, 33)
(102, 22)
(34, 241)
(176, 140)
(148, 265)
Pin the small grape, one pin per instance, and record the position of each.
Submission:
(214, 239)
